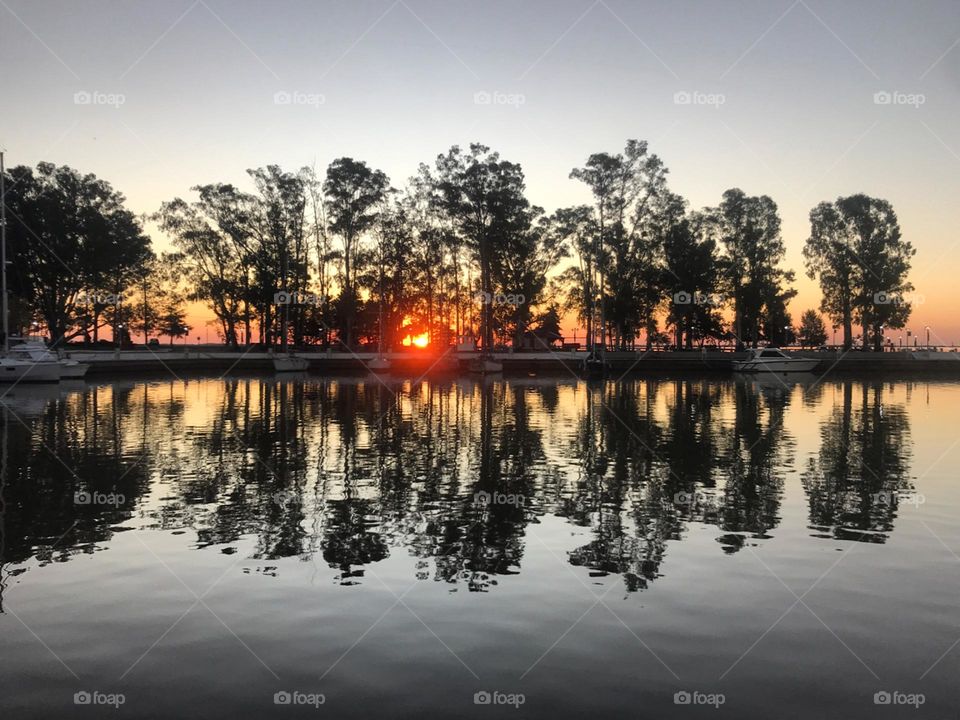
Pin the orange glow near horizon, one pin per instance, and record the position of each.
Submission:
(420, 341)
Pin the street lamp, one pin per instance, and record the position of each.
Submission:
(927, 328)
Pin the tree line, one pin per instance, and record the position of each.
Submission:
(343, 258)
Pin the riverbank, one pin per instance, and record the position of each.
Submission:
(193, 360)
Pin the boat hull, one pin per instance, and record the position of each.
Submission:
(24, 372)
(482, 366)
(775, 366)
(73, 370)
(290, 364)
(379, 365)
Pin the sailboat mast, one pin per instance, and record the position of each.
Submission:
(3, 254)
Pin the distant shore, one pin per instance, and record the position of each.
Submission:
(192, 359)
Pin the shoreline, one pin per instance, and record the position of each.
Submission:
(191, 360)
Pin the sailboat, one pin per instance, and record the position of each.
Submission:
(14, 369)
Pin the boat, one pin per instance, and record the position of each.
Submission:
(485, 366)
(773, 360)
(34, 350)
(290, 363)
(379, 365)
(14, 370)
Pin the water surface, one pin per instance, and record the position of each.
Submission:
(397, 547)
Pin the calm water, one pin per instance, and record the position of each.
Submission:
(198, 546)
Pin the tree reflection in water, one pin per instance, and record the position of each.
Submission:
(347, 471)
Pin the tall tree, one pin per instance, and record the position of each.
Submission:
(353, 193)
(214, 239)
(750, 233)
(484, 196)
(691, 278)
(633, 210)
(69, 235)
(856, 249)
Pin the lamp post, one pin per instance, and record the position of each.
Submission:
(927, 328)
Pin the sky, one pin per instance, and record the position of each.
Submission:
(801, 100)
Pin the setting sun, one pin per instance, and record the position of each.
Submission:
(421, 341)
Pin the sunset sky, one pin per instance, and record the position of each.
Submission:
(802, 100)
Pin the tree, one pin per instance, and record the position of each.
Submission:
(484, 197)
(172, 322)
(633, 210)
(353, 194)
(691, 277)
(69, 236)
(750, 233)
(813, 331)
(213, 237)
(856, 249)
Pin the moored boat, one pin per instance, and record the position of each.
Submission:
(14, 370)
(773, 360)
(485, 366)
(290, 363)
(35, 351)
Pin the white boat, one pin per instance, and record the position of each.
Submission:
(14, 370)
(290, 363)
(379, 365)
(773, 360)
(34, 350)
(485, 366)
